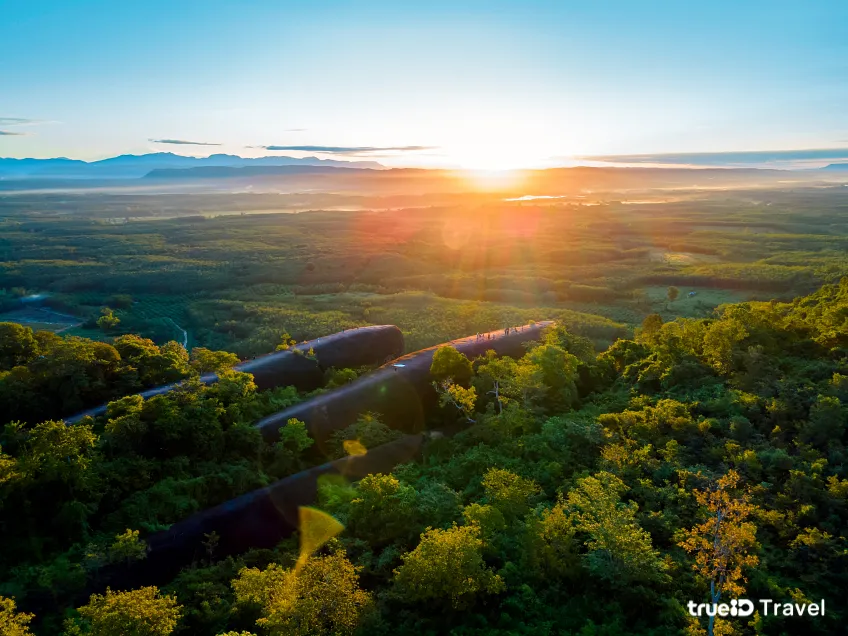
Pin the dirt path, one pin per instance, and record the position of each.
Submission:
(185, 333)
(42, 318)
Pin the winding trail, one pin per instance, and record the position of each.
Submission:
(185, 333)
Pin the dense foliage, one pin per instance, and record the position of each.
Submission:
(597, 263)
(76, 372)
(69, 493)
(585, 494)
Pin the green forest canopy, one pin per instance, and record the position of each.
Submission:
(582, 500)
(238, 282)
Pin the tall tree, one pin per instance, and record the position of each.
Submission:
(462, 400)
(321, 597)
(449, 364)
(205, 361)
(13, 623)
(108, 320)
(673, 293)
(17, 345)
(141, 612)
(651, 327)
(723, 542)
(619, 549)
(511, 494)
(494, 377)
(446, 566)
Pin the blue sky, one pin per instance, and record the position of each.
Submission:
(480, 84)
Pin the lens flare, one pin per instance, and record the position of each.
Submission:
(354, 447)
(316, 528)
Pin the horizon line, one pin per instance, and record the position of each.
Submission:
(787, 160)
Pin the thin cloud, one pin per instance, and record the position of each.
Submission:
(752, 157)
(347, 150)
(295, 129)
(182, 142)
(18, 121)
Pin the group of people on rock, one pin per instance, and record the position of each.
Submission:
(489, 336)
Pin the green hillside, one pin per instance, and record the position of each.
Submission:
(588, 497)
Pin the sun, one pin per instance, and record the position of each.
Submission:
(489, 166)
(494, 180)
(496, 157)
(478, 159)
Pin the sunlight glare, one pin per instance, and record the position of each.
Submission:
(494, 180)
(316, 528)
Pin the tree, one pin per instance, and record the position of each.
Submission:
(509, 380)
(286, 342)
(49, 484)
(234, 389)
(368, 431)
(127, 548)
(508, 492)
(463, 400)
(619, 549)
(494, 376)
(154, 365)
(621, 354)
(384, 509)
(447, 565)
(554, 370)
(13, 623)
(720, 341)
(108, 320)
(56, 452)
(449, 364)
(651, 328)
(673, 293)
(68, 374)
(553, 548)
(125, 429)
(722, 543)
(17, 345)
(322, 597)
(141, 612)
(294, 436)
(512, 422)
(489, 519)
(828, 417)
(338, 377)
(8, 468)
(578, 346)
(287, 453)
(205, 361)
(186, 421)
(122, 301)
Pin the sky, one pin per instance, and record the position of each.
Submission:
(474, 84)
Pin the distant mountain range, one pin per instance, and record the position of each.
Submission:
(230, 172)
(135, 166)
(170, 166)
